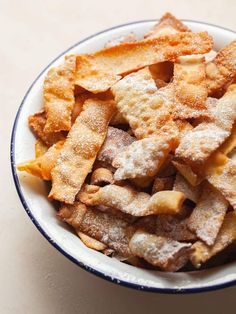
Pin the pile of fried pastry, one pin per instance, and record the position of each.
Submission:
(137, 140)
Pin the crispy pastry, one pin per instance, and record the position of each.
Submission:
(59, 96)
(42, 166)
(166, 96)
(106, 228)
(202, 253)
(80, 149)
(190, 89)
(143, 106)
(198, 144)
(142, 183)
(221, 71)
(129, 201)
(162, 252)
(97, 72)
(142, 158)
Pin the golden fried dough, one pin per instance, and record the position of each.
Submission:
(59, 96)
(80, 149)
(97, 72)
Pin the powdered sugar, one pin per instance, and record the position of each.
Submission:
(142, 158)
(197, 144)
(160, 251)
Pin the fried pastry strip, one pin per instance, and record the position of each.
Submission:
(165, 202)
(113, 196)
(37, 123)
(198, 144)
(227, 234)
(167, 25)
(59, 96)
(42, 166)
(165, 253)
(116, 141)
(106, 228)
(190, 89)
(208, 215)
(127, 200)
(221, 71)
(143, 106)
(142, 158)
(97, 72)
(80, 149)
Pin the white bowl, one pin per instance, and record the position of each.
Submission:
(33, 192)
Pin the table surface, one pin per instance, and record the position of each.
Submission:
(35, 278)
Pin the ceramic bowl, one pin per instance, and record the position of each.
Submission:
(33, 192)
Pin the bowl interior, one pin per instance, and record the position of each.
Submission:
(33, 192)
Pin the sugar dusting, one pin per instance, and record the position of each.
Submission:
(199, 143)
(142, 158)
(144, 106)
(160, 251)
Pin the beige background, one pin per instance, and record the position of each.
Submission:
(34, 277)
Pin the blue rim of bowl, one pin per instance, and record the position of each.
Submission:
(38, 226)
